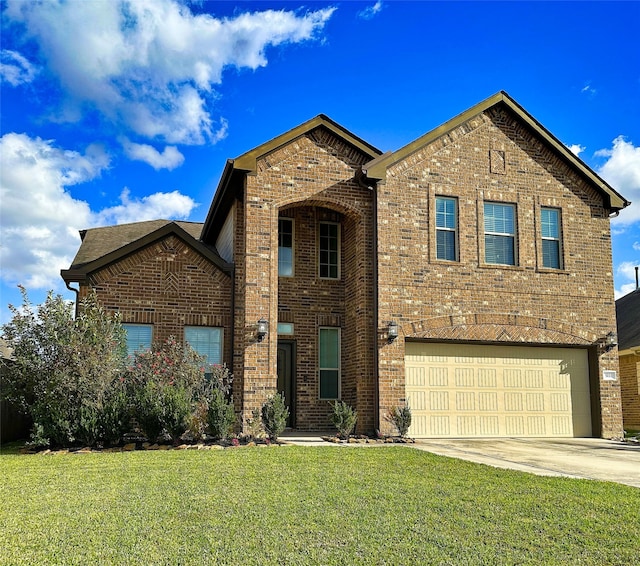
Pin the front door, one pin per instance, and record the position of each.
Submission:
(286, 377)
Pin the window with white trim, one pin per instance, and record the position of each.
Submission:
(551, 245)
(285, 247)
(499, 233)
(206, 340)
(329, 362)
(329, 250)
(139, 337)
(446, 228)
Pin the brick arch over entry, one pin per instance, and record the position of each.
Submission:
(499, 328)
(341, 205)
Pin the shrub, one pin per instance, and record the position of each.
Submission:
(274, 416)
(221, 416)
(253, 427)
(64, 367)
(400, 417)
(344, 418)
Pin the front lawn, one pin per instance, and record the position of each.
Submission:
(297, 505)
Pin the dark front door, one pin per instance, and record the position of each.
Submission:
(286, 376)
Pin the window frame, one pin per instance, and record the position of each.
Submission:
(220, 329)
(558, 239)
(338, 244)
(446, 229)
(513, 236)
(140, 348)
(293, 263)
(337, 368)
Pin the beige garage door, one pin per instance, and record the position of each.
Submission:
(459, 390)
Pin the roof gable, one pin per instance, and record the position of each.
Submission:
(377, 168)
(231, 181)
(103, 246)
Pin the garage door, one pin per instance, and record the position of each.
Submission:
(459, 390)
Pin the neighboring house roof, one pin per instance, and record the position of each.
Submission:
(230, 185)
(103, 246)
(628, 315)
(377, 168)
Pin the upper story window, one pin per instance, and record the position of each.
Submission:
(285, 247)
(205, 340)
(446, 228)
(499, 233)
(551, 248)
(329, 248)
(139, 337)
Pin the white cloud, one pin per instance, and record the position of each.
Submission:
(370, 11)
(626, 271)
(170, 158)
(588, 89)
(576, 149)
(622, 171)
(15, 69)
(39, 219)
(636, 246)
(151, 207)
(151, 65)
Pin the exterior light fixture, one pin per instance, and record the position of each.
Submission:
(262, 330)
(608, 342)
(392, 331)
(611, 340)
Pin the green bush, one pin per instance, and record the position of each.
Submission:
(274, 416)
(344, 418)
(221, 416)
(64, 367)
(400, 417)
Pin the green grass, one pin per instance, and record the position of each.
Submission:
(295, 505)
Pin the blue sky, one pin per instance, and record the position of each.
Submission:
(118, 111)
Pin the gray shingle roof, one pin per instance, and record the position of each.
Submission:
(628, 314)
(98, 242)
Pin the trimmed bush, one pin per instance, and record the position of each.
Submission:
(221, 416)
(274, 416)
(400, 417)
(344, 418)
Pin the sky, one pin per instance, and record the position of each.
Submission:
(122, 111)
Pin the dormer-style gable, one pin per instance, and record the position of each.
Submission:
(231, 185)
(103, 246)
(377, 168)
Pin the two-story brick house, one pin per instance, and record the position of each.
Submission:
(468, 274)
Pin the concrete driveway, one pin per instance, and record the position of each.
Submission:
(588, 458)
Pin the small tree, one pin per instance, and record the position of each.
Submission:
(344, 418)
(65, 368)
(400, 417)
(221, 415)
(274, 416)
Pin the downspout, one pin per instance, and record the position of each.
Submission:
(376, 367)
(77, 292)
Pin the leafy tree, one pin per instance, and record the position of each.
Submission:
(67, 370)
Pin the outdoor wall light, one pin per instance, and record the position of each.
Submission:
(608, 342)
(263, 328)
(392, 331)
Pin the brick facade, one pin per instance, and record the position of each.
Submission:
(630, 383)
(384, 206)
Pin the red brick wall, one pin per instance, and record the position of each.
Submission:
(169, 285)
(469, 300)
(630, 383)
(310, 179)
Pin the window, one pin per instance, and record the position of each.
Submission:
(499, 233)
(550, 222)
(329, 363)
(285, 328)
(207, 341)
(446, 228)
(285, 247)
(329, 250)
(139, 337)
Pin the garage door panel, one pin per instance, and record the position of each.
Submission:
(473, 390)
